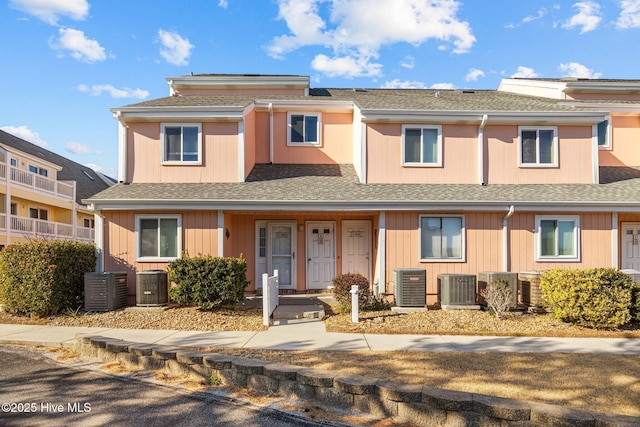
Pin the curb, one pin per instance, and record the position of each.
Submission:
(405, 402)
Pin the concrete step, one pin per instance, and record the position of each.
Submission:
(286, 311)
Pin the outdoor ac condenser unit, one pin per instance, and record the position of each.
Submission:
(457, 289)
(105, 291)
(151, 288)
(410, 287)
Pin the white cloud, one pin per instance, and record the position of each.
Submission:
(474, 74)
(575, 69)
(442, 86)
(175, 49)
(629, 15)
(27, 134)
(408, 62)
(525, 72)
(541, 13)
(587, 19)
(79, 46)
(346, 66)
(359, 28)
(50, 11)
(97, 90)
(77, 148)
(400, 84)
(223, 3)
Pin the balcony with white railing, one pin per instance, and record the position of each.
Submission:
(64, 189)
(37, 228)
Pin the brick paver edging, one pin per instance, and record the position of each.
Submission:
(406, 402)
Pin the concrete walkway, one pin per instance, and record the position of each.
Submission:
(311, 335)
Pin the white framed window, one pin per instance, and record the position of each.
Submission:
(442, 238)
(421, 145)
(538, 146)
(181, 143)
(604, 135)
(158, 237)
(38, 170)
(557, 238)
(304, 128)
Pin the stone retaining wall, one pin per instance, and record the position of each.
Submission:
(422, 405)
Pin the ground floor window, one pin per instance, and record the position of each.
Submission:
(557, 238)
(442, 237)
(158, 237)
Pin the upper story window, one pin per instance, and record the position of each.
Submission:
(538, 146)
(421, 145)
(158, 237)
(38, 170)
(604, 140)
(304, 128)
(557, 238)
(181, 144)
(13, 162)
(441, 238)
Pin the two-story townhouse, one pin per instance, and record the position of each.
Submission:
(317, 182)
(41, 193)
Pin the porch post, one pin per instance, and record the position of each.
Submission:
(615, 241)
(99, 240)
(221, 233)
(381, 258)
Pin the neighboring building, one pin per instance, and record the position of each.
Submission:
(319, 182)
(42, 192)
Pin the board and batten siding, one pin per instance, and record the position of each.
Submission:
(199, 236)
(219, 155)
(483, 245)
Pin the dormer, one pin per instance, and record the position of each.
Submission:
(238, 85)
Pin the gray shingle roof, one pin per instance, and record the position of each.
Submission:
(386, 99)
(71, 171)
(339, 185)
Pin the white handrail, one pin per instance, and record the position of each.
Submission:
(270, 297)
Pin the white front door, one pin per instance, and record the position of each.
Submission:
(321, 259)
(631, 245)
(282, 253)
(356, 247)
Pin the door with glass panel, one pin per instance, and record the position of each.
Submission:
(282, 253)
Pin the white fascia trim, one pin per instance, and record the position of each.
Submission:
(606, 107)
(311, 104)
(239, 81)
(595, 86)
(558, 85)
(351, 206)
(497, 117)
(179, 113)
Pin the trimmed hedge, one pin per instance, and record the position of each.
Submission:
(208, 282)
(44, 277)
(602, 298)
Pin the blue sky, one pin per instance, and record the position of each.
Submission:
(66, 62)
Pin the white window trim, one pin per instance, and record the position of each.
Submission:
(305, 114)
(608, 146)
(137, 237)
(421, 164)
(576, 239)
(463, 240)
(555, 147)
(180, 162)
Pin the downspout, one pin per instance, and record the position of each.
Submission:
(481, 150)
(270, 133)
(122, 147)
(98, 238)
(505, 239)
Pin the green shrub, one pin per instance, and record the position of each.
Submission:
(341, 290)
(594, 297)
(208, 282)
(44, 277)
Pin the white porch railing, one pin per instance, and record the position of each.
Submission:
(3, 170)
(31, 227)
(3, 221)
(269, 296)
(38, 182)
